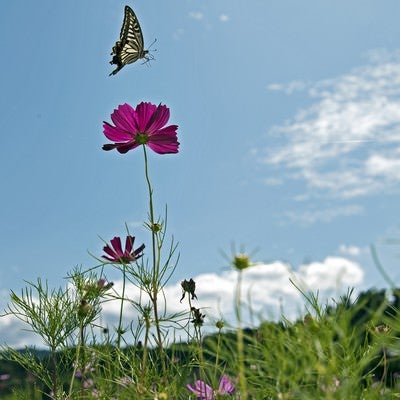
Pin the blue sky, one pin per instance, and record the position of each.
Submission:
(289, 123)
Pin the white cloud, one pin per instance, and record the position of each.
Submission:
(347, 143)
(334, 273)
(178, 34)
(350, 250)
(15, 333)
(323, 215)
(378, 165)
(266, 286)
(197, 15)
(273, 181)
(288, 88)
(224, 18)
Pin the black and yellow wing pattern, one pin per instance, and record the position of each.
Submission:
(130, 47)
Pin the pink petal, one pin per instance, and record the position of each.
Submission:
(115, 134)
(110, 252)
(125, 147)
(116, 244)
(169, 130)
(138, 251)
(169, 148)
(124, 118)
(108, 147)
(202, 390)
(191, 388)
(164, 141)
(129, 244)
(226, 386)
(144, 112)
(159, 119)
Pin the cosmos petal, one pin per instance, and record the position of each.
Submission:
(124, 117)
(145, 112)
(115, 133)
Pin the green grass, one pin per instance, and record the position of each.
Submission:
(346, 351)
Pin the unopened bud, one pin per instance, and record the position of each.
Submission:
(220, 324)
(84, 308)
(241, 262)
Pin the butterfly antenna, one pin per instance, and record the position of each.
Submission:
(155, 40)
(149, 57)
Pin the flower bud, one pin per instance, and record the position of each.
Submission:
(241, 262)
(84, 308)
(220, 324)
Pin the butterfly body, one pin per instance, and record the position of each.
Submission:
(130, 47)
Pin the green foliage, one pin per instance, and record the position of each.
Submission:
(49, 313)
(349, 350)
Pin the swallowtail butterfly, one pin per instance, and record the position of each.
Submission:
(130, 47)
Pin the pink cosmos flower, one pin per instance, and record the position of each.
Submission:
(202, 390)
(144, 125)
(206, 392)
(226, 386)
(115, 253)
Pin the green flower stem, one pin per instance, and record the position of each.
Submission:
(80, 361)
(199, 343)
(54, 373)
(240, 339)
(120, 330)
(155, 257)
(146, 342)
(77, 356)
(83, 363)
(217, 352)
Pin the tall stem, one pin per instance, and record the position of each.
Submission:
(240, 344)
(77, 357)
(156, 260)
(217, 352)
(120, 331)
(55, 374)
(146, 342)
(83, 365)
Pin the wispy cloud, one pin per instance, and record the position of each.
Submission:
(197, 15)
(287, 88)
(266, 288)
(347, 143)
(328, 214)
(224, 18)
(350, 250)
(178, 34)
(15, 333)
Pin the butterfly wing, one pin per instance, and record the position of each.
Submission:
(130, 47)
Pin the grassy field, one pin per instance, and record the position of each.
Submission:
(346, 351)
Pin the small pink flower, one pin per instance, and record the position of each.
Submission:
(115, 253)
(202, 390)
(144, 125)
(226, 386)
(88, 383)
(125, 381)
(102, 284)
(206, 392)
